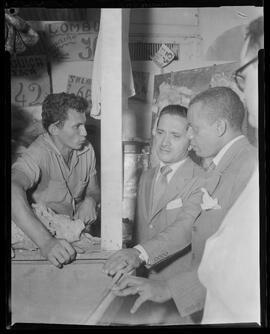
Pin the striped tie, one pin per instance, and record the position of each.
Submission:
(212, 166)
(161, 184)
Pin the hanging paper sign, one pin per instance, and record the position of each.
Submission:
(164, 56)
(80, 86)
(30, 82)
(72, 41)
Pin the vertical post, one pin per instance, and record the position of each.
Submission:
(111, 129)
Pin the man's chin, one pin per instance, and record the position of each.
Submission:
(167, 160)
(164, 158)
(80, 146)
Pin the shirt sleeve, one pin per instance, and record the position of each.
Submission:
(27, 168)
(143, 253)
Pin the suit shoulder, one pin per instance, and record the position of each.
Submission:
(248, 155)
(243, 165)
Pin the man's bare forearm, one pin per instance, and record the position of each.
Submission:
(24, 218)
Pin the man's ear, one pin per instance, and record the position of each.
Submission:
(53, 129)
(221, 127)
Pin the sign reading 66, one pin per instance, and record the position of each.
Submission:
(80, 86)
(30, 82)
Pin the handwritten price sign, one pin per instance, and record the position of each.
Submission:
(72, 41)
(164, 56)
(30, 82)
(80, 86)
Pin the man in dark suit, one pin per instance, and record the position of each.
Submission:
(215, 117)
(230, 266)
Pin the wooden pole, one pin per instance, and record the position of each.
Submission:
(111, 128)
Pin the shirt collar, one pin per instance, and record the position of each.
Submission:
(173, 166)
(221, 153)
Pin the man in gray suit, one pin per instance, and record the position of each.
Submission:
(166, 210)
(215, 117)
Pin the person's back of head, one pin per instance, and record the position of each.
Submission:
(247, 74)
(255, 36)
(55, 107)
(222, 103)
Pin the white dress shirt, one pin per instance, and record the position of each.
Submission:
(230, 266)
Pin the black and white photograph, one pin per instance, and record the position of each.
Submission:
(136, 165)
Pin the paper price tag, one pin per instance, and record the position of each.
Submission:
(164, 56)
(80, 86)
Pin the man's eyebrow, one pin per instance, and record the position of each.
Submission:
(79, 123)
(175, 132)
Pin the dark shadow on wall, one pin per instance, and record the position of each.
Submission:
(24, 130)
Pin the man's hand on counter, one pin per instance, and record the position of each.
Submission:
(147, 289)
(58, 252)
(127, 259)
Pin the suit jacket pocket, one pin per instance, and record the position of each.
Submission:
(171, 215)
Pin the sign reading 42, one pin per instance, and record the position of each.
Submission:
(30, 82)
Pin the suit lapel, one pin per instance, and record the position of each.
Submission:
(149, 187)
(175, 186)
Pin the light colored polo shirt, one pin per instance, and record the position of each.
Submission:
(54, 183)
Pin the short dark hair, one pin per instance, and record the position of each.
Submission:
(55, 107)
(223, 103)
(254, 34)
(173, 109)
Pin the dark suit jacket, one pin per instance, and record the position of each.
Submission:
(225, 183)
(168, 229)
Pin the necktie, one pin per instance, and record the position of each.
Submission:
(212, 166)
(161, 184)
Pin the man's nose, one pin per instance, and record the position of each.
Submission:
(83, 131)
(166, 140)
